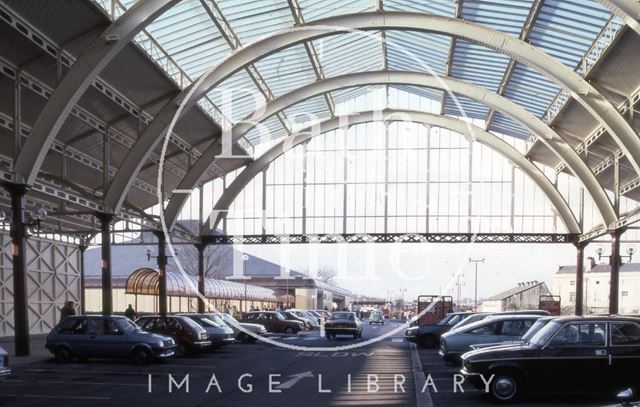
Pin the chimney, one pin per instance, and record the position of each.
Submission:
(591, 263)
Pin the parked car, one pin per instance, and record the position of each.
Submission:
(219, 333)
(234, 324)
(376, 317)
(428, 336)
(479, 316)
(189, 336)
(322, 313)
(4, 364)
(310, 316)
(290, 316)
(273, 321)
(569, 354)
(499, 328)
(525, 338)
(97, 336)
(343, 323)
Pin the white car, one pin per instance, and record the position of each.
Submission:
(232, 323)
(4, 364)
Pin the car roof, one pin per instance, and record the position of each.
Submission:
(499, 317)
(597, 318)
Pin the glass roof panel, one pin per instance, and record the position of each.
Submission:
(505, 125)
(302, 114)
(254, 19)
(359, 99)
(441, 7)
(417, 51)
(286, 70)
(269, 129)
(237, 96)
(565, 29)
(317, 9)
(419, 91)
(468, 107)
(477, 64)
(351, 52)
(505, 15)
(531, 90)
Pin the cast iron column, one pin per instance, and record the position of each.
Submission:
(82, 248)
(201, 247)
(162, 270)
(614, 283)
(105, 234)
(580, 277)
(19, 241)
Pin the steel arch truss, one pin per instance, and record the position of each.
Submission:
(584, 93)
(472, 132)
(548, 136)
(391, 238)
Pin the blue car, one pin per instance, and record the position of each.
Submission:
(96, 336)
(4, 364)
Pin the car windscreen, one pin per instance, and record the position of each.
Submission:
(543, 335)
(206, 322)
(342, 315)
(534, 330)
(126, 325)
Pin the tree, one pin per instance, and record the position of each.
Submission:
(217, 261)
(326, 274)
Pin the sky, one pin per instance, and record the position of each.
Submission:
(425, 268)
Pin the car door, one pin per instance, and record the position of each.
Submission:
(513, 329)
(74, 333)
(486, 333)
(576, 358)
(625, 354)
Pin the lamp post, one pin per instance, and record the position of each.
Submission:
(475, 300)
(245, 258)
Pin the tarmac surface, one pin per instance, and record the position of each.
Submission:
(238, 375)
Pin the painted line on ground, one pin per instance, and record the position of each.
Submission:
(423, 399)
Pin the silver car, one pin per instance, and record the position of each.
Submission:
(493, 329)
(4, 364)
(243, 337)
(219, 333)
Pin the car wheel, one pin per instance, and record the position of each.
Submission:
(63, 354)
(505, 387)
(142, 356)
(181, 349)
(244, 338)
(288, 330)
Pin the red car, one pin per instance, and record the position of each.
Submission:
(189, 336)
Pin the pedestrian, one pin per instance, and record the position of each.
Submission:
(131, 313)
(67, 310)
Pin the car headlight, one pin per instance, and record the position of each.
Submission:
(159, 344)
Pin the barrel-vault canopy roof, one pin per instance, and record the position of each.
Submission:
(41, 40)
(145, 281)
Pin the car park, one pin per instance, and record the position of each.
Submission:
(235, 325)
(376, 317)
(343, 323)
(219, 333)
(97, 336)
(188, 336)
(569, 354)
(499, 328)
(4, 364)
(428, 336)
(273, 321)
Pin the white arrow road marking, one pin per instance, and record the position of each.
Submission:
(295, 378)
